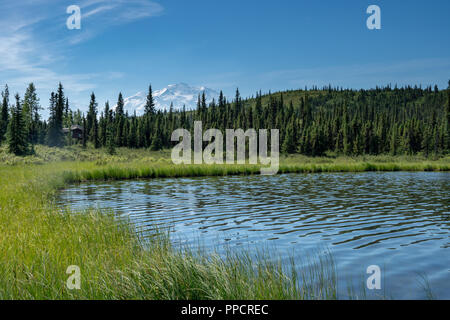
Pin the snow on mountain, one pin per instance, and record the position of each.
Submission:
(178, 94)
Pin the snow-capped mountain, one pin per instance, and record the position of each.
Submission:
(178, 94)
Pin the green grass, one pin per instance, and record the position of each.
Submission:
(38, 241)
(135, 170)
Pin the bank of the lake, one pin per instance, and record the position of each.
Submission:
(38, 241)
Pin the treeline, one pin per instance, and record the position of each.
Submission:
(407, 120)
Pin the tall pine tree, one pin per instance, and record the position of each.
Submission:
(120, 121)
(31, 115)
(55, 135)
(92, 122)
(4, 115)
(17, 134)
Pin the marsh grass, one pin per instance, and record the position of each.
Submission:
(159, 165)
(424, 284)
(142, 170)
(39, 240)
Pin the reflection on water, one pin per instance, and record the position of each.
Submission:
(399, 221)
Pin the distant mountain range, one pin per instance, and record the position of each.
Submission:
(180, 95)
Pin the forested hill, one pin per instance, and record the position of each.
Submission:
(408, 120)
(385, 120)
(352, 122)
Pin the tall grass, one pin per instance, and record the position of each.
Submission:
(38, 241)
(142, 170)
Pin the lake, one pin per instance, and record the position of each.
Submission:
(399, 221)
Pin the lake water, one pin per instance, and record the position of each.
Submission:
(398, 221)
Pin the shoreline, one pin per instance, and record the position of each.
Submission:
(111, 173)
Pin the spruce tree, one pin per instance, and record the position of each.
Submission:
(150, 103)
(67, 115)
(237, 104)
(149, 113)
(104, 123)
(92, 122)
(120, 121)
(17, 134)
(258, 112)
(447, 129)
(55, 133)
(31, 115)
(4, 116)
(60, 105)
(204, 107)
(84, 137)
(157, 141)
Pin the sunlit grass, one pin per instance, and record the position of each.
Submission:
(38, 241)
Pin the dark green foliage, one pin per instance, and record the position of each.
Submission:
(289, 144)
(150, 104)
(4, 115)
(120, 122)
(84, 139)
(379, 121)
(55, 136)
(446, 128)
(145, 127)
(158, 138)
(92, 123)
(110, 143)
(408, 120)
(31, 115)
(17, 131)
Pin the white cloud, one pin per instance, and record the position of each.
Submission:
(35, 44)
(99, 15)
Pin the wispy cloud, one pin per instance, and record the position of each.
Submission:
(35, 44)
(99, 15)
(363, 75)
(98, 10)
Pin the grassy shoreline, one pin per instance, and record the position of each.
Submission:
(38, 241)
(120, 172)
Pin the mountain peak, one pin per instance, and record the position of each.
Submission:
(180, 94)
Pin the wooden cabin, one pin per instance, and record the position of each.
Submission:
(76, 132)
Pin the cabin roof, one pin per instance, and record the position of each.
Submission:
(75, 127)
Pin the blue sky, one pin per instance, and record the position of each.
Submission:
(124, 45)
